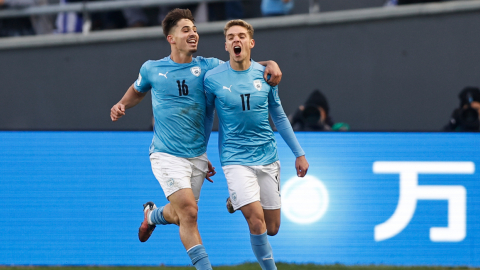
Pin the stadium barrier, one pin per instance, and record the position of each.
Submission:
(75, 198)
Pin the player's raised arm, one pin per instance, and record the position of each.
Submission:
(131, 98)
(272, 69)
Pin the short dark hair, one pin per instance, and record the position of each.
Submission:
(173, 17)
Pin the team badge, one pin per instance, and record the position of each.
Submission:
(196, 71)
(234, 196)
(139, 80)
(170, 182)
(257, 84)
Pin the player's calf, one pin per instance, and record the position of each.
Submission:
(263, 251)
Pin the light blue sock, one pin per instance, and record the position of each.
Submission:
(263, 251)
(157, 216)
(199, 258)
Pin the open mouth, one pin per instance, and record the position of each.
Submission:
(237, 50)
(192, 41)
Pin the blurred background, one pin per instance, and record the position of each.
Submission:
(382, 65)
(401, 76)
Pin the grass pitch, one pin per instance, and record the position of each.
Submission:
(246, 266)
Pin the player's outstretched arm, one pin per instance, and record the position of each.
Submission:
(272, 69)
(301, 164)
(131, 98)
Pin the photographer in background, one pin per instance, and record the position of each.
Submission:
(467, 116)
(314, 115)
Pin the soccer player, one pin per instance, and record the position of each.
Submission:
(247, 146)
(177, 152)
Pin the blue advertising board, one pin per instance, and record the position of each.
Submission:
(75, 198)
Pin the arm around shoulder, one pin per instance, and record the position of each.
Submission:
(272, 69)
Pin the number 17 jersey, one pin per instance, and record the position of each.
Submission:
(242, 100)
(178, 103)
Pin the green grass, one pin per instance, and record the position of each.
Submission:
(246, 266)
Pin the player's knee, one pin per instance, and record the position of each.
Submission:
(257, 226)
(189, 214)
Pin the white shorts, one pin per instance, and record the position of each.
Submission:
(247, 184)
(175, 173)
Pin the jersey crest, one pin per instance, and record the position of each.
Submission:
(196, 71)
(257, 84)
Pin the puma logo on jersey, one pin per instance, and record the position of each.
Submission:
(228, 88)
(164, 75)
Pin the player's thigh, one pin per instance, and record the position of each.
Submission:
(252, 210)
(173, 173)
(242, 185)
(199, 171)
(269, 182)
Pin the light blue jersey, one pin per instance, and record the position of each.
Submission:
(243, 100)
(178, 103)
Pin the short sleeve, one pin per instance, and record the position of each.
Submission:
(142, 84)
(213, 62)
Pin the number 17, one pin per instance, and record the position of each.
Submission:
(243, 101)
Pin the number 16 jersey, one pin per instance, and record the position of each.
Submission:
(178, 103)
